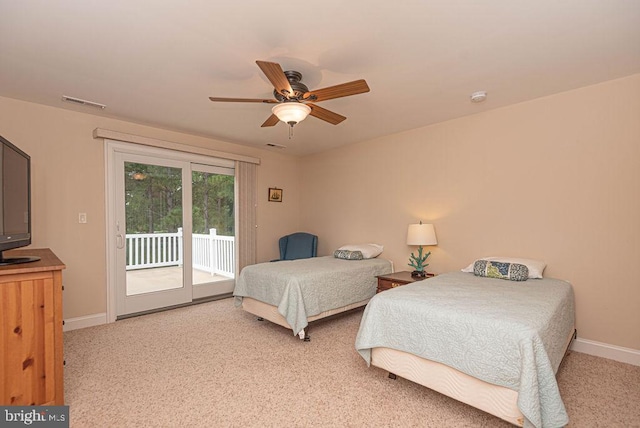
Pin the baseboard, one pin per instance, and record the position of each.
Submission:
(85, 321)
(604, 350)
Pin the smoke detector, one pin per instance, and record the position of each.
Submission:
(478, 97)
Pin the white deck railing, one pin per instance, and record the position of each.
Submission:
(212, 253)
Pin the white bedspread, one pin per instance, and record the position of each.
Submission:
(507, 333)
(306, 287)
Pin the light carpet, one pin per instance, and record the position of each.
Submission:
(213, 365)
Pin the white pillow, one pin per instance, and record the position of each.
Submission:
(536, 267)
(368, 251)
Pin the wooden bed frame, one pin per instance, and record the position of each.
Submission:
(269, 312)
(496, 400)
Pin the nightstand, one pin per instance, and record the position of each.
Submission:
(393, 280)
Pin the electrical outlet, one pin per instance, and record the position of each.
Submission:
(82, 218)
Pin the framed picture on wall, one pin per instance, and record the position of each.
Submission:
(275, 194)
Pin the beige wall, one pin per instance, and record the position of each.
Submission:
(68, 177)
(557, 179)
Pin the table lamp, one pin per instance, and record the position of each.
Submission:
(420, 234)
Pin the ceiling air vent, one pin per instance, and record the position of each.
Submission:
(277, 146)
(83, 102)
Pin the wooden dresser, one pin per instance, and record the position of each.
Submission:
(31, 359)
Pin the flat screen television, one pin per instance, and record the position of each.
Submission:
(15, 200)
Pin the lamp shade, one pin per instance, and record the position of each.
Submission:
(421, 234)
(291, 112)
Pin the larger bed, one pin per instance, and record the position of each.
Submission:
(490, 343)
(293, 293)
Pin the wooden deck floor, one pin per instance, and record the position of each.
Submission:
(164, 278)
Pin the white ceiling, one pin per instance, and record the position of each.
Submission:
(157, 62)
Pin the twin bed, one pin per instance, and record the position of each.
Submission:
(293, 293)
(493, 344)
(490, 343)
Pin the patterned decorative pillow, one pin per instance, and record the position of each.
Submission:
(369, 251)
(501, 270)
(536, 267)
(348, 255)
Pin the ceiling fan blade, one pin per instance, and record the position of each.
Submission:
(271, 121)
(326, 115)
(338, 91)
(276, 76)
(242, 100)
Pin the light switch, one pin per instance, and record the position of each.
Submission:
(82, 217)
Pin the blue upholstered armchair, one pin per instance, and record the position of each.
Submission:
(298, 245)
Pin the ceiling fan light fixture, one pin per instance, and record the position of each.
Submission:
(291, 112)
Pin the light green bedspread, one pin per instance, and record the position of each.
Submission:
(506, 333)
(306, 287)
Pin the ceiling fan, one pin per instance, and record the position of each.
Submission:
(294, 101)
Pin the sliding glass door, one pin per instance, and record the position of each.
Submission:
(150, 243)
(169, 214)
(213, 223)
